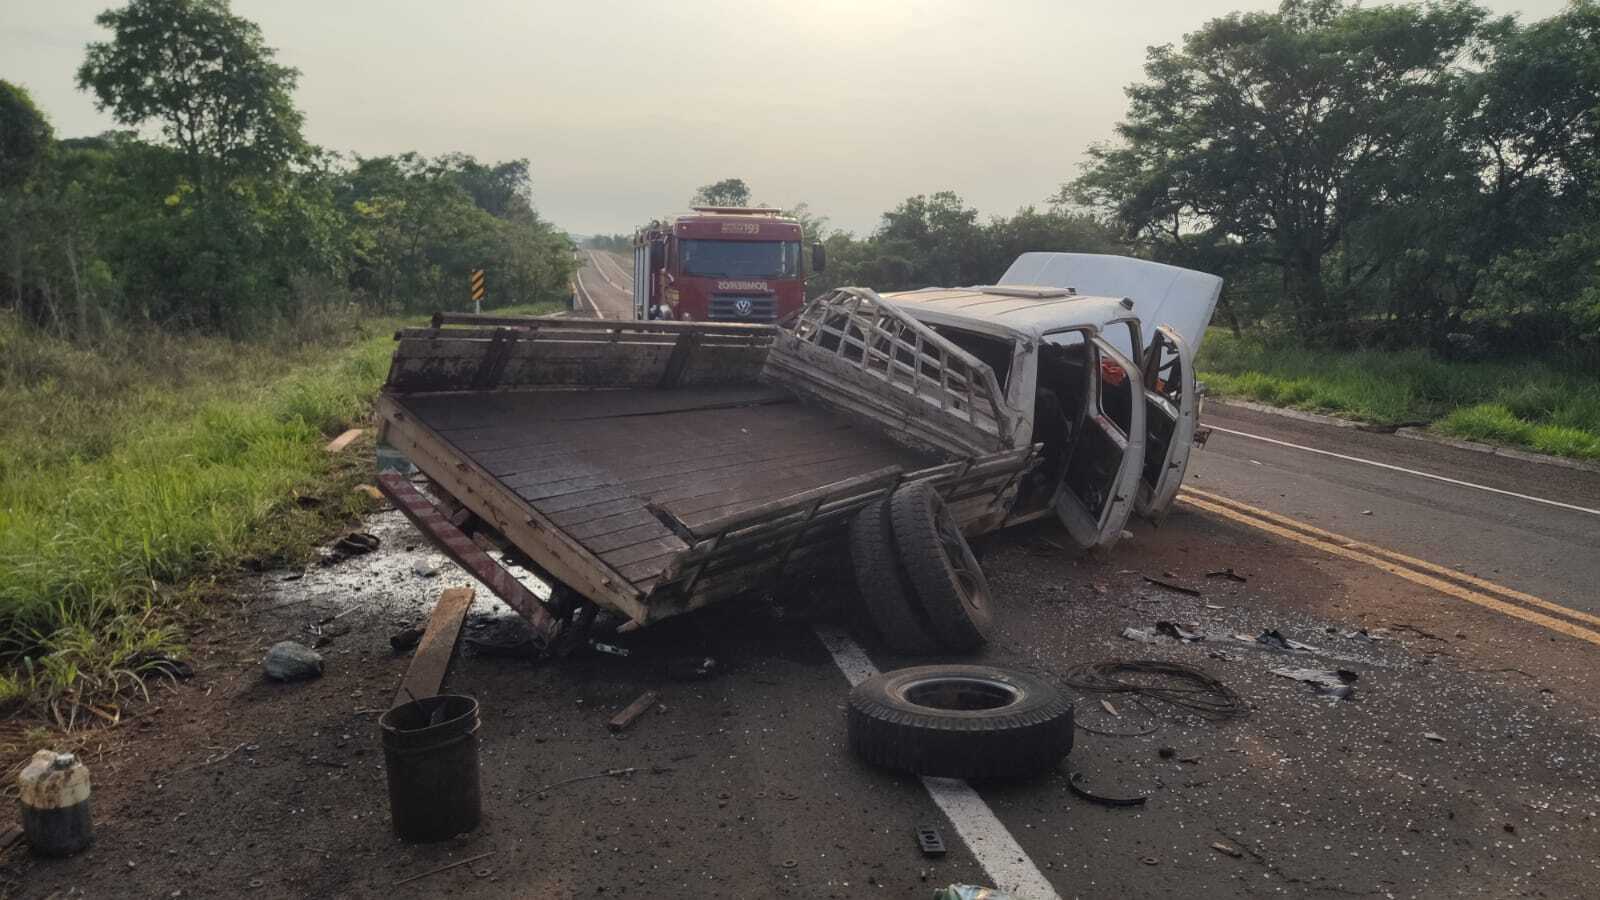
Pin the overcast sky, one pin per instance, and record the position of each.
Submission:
(624, 109)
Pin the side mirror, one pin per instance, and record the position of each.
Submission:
(819, 258)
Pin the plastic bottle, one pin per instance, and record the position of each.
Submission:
(55, 804)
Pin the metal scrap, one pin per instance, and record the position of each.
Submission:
(1074, 784)
(1336, 683)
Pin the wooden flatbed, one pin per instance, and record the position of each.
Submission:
(654, 467)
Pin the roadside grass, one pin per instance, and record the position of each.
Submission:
(1536, 404)
(135, 474)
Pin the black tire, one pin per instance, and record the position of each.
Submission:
(960, 721)
(881, 581)
(943, 571)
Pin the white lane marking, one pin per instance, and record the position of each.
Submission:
(578, 277)
(1417, 472)
(1006, 863)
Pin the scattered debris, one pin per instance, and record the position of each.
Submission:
(1167, 752)
(343, 440)
(356, 543)
(1337, 683)
(370, 491)
(608, 773)
(1366, 512)
(610, 649)
(1172, 586)
(1075, 784)
(291, 661)
(1229, 849)
(1274, 638)
(405, 640)
(426, 568)
(1142, 635)
(444, 868)
(1229, 574)
(632, 711)
(970, 892)
(691, 668)
(1434, 736)
(1106, 705)
(1186, 688)
(930, 841)
(1173, 630)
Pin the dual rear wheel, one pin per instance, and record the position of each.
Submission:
(921, 586)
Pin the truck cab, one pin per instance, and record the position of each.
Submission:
(1098, 368)
(721, 264)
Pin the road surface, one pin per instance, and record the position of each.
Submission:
(1527, 526)
(605, 288)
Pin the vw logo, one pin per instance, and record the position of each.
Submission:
(742, 306)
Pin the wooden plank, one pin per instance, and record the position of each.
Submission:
(428, 664)
(344, 440)
(633, 711)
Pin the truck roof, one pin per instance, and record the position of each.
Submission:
(1023, 310)
(1043, 292)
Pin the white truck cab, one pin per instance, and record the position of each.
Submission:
(1094, 355)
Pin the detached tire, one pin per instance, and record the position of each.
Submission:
(881, 581)
(945, 574)
(960, 721)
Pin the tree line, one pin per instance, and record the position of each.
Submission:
(225, 218)
(1375, 175)
(1381, 176)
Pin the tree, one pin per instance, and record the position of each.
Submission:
(206, 75)
(25, 136)
(727, 192)
(1285, 131)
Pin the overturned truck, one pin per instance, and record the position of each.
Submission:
(649, 468)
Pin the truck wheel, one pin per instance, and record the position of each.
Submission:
(960, 721)
(881, 580)
(948, 581)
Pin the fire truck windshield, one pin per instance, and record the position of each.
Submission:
(740, 259)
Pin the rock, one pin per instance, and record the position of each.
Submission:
(289, 661)
(425, 568)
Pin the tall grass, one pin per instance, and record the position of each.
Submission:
(1547, 406)
(128, 470)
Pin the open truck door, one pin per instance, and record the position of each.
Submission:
(1101, 478)
(1169, 395)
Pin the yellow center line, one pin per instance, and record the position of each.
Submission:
(1401, 558)
(1444, 587)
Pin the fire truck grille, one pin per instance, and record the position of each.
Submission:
(730, 308)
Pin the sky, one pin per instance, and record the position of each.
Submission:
(623, 109)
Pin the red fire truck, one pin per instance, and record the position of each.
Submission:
(721, 264)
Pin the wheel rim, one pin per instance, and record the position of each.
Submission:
(956, 553)
(958, 694)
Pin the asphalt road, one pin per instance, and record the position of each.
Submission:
(604, 286)
(1539, 548)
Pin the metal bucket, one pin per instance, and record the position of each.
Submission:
(430, 749)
